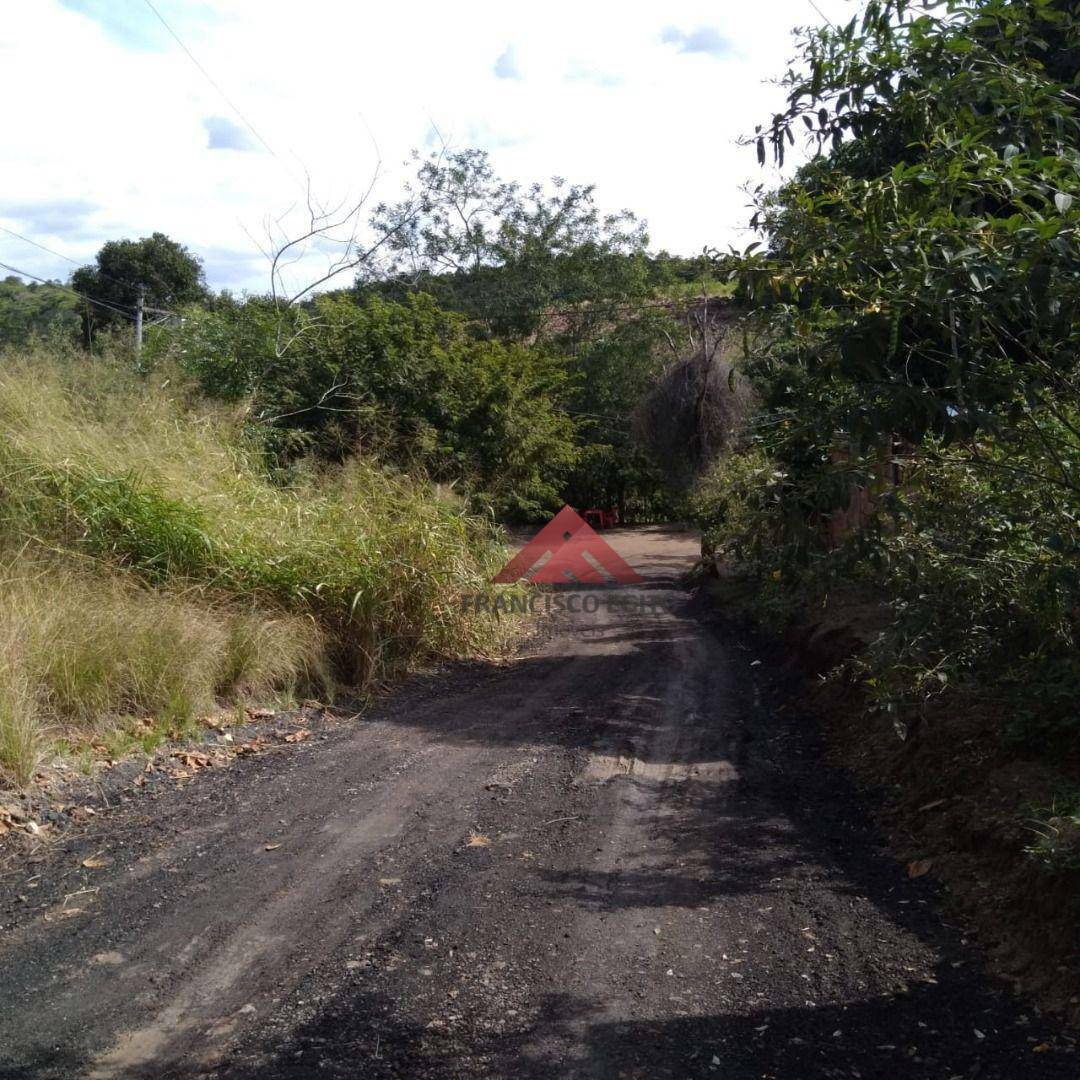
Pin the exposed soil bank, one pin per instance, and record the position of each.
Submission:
(957, 800)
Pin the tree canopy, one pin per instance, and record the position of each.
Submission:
(504, 253)
(34, 309)
(917, 314)
(170, 274)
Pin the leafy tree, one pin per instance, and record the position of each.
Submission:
(943, 277)
(405, 382)
(919, 290)
(544, 265)
(170, 274)
(505, 254)
(614, 366)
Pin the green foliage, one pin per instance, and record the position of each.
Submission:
(730, 503)
(107, 468)
(544, 265)
(170, 274)
(615, 361)
(1057, 831)
(503, 346)
(226, 348)
(944, 282)
(918, 307)
(29, 311)
(503, 254)
(980, 567)
(406, 382)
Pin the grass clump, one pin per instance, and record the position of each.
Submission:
(87, 650)
(150, 566)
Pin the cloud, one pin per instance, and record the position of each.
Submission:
(506, 66)
(705, 39)
(135, 26)
(235, 269)
(316, 109)
(605, 80)
(50, 217)
(488, 137)
(225, 134)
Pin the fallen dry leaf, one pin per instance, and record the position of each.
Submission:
(260, 714)
(193, 759)
(919, 867)
(248, 748)
(272, 847)
(478, 840)
(97, 862)
(298, 736)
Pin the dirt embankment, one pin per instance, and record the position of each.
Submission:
(956, 802)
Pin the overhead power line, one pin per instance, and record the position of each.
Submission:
(67, 258)
(34, 243)
(221, 93)
(73, 292)
(822, 14)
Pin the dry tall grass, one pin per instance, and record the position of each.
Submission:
(149, 565)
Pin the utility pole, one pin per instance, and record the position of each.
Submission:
(139, 301)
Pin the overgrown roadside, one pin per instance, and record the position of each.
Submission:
(906, 497)
(154, 571)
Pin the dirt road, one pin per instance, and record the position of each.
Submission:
(617, 857)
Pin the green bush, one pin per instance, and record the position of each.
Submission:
(980, 566)
(406, 382)
(916, 307)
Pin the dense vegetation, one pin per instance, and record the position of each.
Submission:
(167, 274)
(496, 338)
(36, 311)
(151, 565)
(915, 318)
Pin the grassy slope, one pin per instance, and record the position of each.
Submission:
(149, 567)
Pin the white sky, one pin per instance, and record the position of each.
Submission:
(112, 132)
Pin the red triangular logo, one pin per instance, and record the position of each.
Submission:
(568, 537)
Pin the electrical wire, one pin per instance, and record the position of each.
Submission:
(221, 93)
(67, 258)
(34, 243)
(65, 288)
(822, 14)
